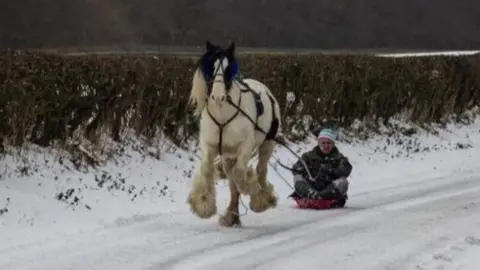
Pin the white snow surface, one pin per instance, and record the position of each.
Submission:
(427, 54)
(408, 209)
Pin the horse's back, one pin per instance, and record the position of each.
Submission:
(257, 86)
(262, 89)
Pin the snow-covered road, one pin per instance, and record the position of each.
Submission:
(414, 204)
(394, 227)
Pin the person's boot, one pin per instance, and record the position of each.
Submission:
(307, 191)
(331, 192)
(294, 195)
(340, 203)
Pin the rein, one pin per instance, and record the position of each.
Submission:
(221, 126)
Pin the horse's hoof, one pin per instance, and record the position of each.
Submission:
(230, 219)
(260, 202)
(202, 205)
(263, 200)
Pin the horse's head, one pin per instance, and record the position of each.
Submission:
(219, 68)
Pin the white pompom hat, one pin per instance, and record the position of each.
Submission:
(327, 134)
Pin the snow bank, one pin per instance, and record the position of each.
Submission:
(43, 196)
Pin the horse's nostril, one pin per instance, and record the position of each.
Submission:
(212, 97)
(223, 98)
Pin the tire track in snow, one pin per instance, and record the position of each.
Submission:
(397, 197)
(345, 229)
(460, 254)
(161, 244)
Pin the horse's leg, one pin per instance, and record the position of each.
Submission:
(245, 184)
(231, 217)
(265, 198)
(202, 198)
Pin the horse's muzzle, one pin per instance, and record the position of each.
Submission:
(218, 98)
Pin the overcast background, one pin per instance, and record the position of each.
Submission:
(319, 24)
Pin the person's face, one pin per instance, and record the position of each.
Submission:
(326, 145)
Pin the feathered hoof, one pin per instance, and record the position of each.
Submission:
(230, 219)
(203, 203)
(263, 200)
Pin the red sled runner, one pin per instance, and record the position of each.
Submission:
(314, 204)
(318, 204)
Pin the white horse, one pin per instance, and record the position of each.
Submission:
(237, 117)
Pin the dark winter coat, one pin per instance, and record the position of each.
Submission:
(324, 168)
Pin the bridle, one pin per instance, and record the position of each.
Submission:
(231, 72)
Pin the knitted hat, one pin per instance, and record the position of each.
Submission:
(327, 134)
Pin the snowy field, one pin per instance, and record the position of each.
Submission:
(414, 204)
(425, 54)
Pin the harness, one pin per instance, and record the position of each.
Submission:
(232, 72)
(260, 109)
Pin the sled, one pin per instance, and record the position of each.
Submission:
(318, 204)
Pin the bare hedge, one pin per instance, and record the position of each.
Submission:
(48, 97)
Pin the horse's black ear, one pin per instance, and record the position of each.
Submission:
(210, 47)
(231, 48)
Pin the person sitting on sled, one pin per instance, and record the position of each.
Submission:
(329, 169)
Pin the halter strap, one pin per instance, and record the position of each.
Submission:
(220, 125)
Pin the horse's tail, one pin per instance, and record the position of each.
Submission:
(198, 94)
